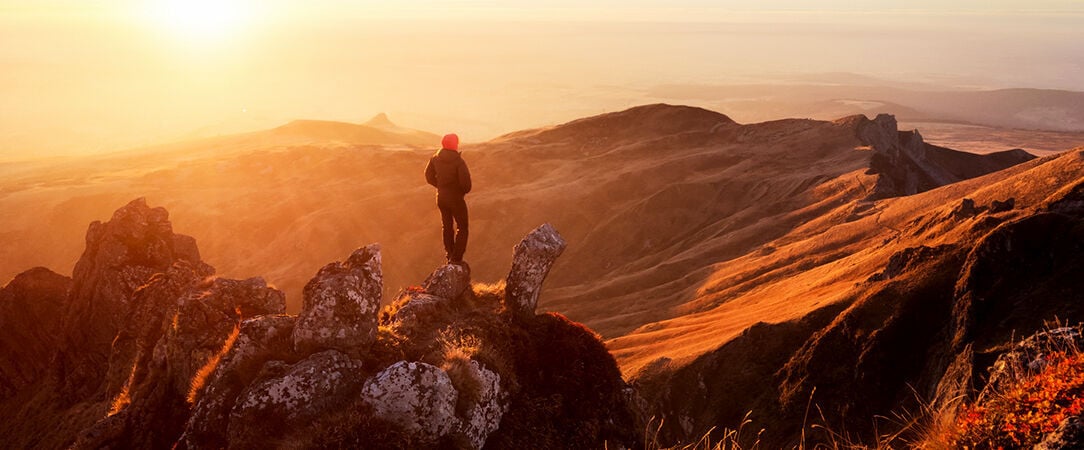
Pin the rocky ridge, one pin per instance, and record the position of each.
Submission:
(198, 361)
(907, 165)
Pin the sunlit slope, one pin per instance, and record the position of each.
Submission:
(830, 259)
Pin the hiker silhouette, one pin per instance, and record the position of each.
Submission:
(447, 171)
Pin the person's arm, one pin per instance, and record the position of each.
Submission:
(464, 177)
(431, 173)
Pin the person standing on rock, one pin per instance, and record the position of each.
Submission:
(448, 173)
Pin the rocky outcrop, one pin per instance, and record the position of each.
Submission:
(341, 305)
(180, 324)
(198, 361)
(998, 206)
(532, 259)
(906, 164)
(121, 256)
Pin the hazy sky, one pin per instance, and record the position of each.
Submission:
(84, 76)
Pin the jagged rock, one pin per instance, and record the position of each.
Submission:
(259, 340)
(151, 311)
(966, 210)
(448, 281)
(177, 328)
(532, 259)
(484, 412)
(341, 305)
(28, 305)
(999, 206)
(148, 407)
(417, 396)
(121, 255)
(1068, 436)
(288, 397)
(906, 164)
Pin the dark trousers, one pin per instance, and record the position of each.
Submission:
(453, 218)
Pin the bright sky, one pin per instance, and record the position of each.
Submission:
(91, 76)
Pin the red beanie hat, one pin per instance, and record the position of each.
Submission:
(450, 142)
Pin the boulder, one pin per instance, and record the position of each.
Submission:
(287, 398)
(448, 281)
(341, 304)
(417, 396)
(532, 259)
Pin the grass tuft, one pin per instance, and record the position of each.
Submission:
(199, 380)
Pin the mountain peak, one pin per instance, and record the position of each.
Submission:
(380, 121)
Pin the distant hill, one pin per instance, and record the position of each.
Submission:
(1035, 109)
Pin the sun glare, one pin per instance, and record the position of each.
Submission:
(199, 20)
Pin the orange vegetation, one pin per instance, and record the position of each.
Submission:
(1027, 410)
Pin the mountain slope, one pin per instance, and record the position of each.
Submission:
(862, 313)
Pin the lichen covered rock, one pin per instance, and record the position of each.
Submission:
(286, 398)
(413, 306)
(483, 414)
(341, 305)
(532, 259)
(417, 396)
(448, 281)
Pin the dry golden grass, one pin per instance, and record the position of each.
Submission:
(199, 380)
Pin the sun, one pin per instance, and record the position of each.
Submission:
(199, 20)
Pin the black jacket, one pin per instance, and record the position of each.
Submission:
(448, 173)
